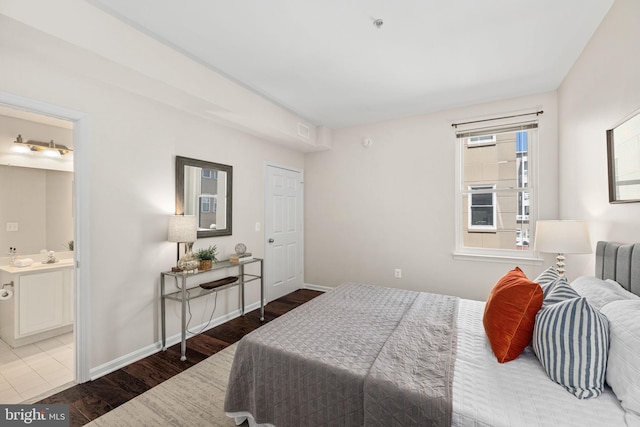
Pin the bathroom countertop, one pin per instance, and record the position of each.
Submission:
(38, 266)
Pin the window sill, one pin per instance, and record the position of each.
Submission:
(527, 260)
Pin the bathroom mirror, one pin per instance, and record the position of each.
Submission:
(623, 146)
(204, 189)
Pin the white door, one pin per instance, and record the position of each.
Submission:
(283, 232)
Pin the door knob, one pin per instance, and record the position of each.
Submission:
(271, 240)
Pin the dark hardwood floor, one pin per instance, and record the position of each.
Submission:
(94, 398)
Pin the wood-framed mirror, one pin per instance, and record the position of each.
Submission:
(623, 155)
(204, 189)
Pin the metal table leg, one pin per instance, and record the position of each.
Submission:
(183, 342)
(241, 275)
(162, 314)
(261, 292)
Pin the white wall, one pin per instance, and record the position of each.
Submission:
(602, 88)
(371, 210)
(132, 142)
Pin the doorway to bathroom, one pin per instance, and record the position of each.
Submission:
(39, 354)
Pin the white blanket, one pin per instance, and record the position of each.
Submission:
(516, 393)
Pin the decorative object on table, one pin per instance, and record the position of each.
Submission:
(70, 245)
(182, 229)
(562, 237)
(206, 256)
(219, 282)
(51, 258)
(13, 255)
(623, 157)
(241, 249)
(23, 262)
(235, 258)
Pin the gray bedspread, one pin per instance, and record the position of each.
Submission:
(359, 355)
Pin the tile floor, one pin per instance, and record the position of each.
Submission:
(33, 370)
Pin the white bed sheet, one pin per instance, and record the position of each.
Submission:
(516, 393)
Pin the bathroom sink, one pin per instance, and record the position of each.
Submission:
(38, 265)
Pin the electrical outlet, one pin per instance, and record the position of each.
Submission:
(398, 273)
(257, 226)
(12, 226)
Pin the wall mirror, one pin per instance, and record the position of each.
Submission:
(204, 189)
(623, 145)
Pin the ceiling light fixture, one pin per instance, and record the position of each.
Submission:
(46, 148)
(378, 23)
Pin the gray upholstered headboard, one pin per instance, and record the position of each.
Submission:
(620, 263)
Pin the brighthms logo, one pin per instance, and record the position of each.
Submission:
(25, 416)
(30, 415)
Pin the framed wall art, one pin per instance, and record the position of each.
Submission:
(623, 147)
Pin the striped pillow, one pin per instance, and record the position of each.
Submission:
(561, 291)
(571, 340)
(548, 280)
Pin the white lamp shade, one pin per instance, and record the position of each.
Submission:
(562, 237)
(182, 228)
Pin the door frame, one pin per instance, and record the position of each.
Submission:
(81, 205)
(267, 267)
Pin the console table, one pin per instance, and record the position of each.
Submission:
(185, 293)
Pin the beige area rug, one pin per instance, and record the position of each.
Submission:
(194, 397)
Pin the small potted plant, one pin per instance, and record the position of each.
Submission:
(206, 256)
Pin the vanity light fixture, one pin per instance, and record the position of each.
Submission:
(46, 148)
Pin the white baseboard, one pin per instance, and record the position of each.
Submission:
(127, 359)
(316, 287)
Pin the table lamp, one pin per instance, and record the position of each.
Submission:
(182, 229)
(562, 237)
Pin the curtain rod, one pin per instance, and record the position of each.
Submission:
(537, 113)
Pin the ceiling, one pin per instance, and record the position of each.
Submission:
(326, 61)
(35, 117)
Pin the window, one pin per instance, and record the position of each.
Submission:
(209, 174)
(495, 202)
(482, 207)
(482, 140)
(208, 213)
(205, 204)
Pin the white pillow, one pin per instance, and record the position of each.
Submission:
(596, 291)
(623, 371)
(618, 289)
(571, 339)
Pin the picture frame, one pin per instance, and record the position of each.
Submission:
(623, 158)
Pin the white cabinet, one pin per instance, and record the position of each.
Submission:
(42, 306)
(40, 301)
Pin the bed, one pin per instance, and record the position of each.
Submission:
(364, 355)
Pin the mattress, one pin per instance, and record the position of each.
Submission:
(517, 393)
(360, 355)
(323, 342)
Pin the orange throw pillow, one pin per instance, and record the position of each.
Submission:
(510, 314)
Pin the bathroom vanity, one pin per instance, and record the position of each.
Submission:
(42, 302)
